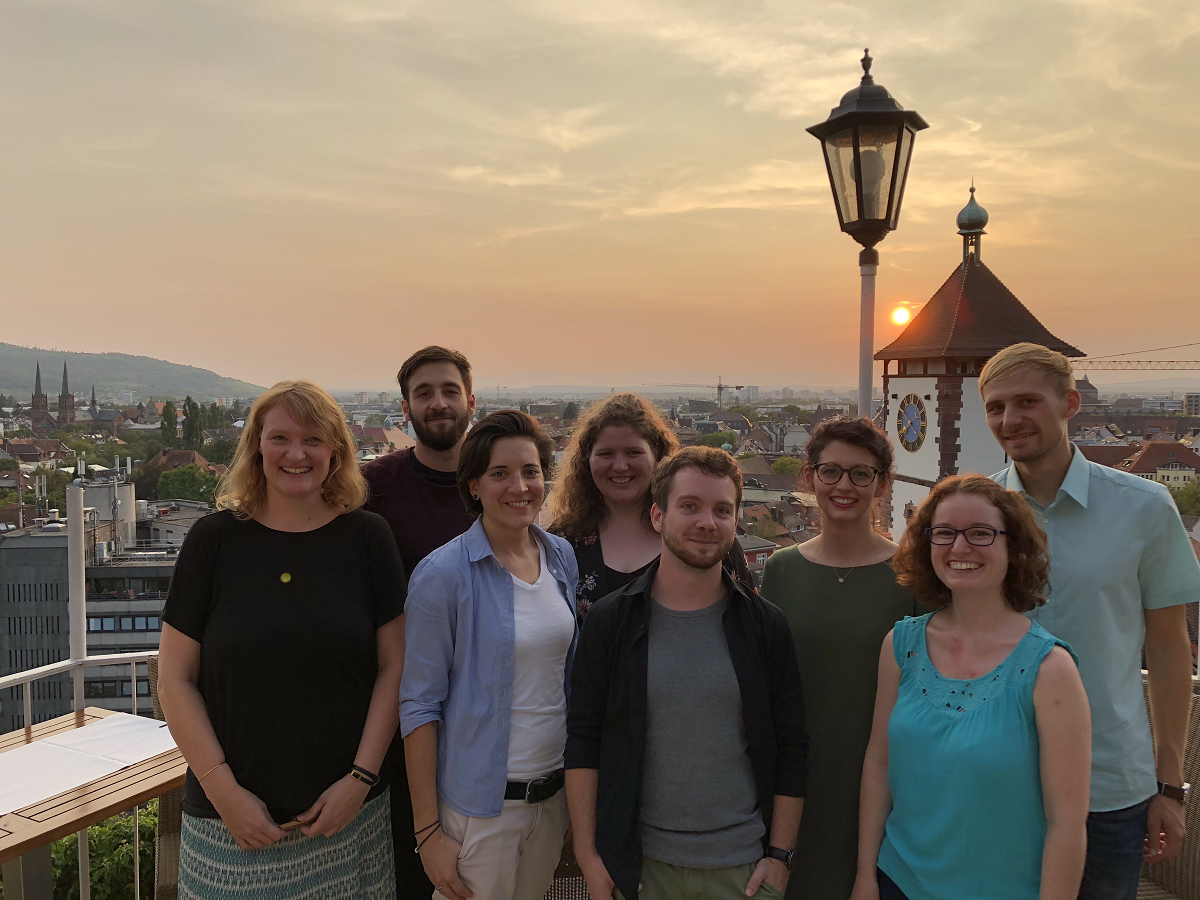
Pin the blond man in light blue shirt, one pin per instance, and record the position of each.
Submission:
(1122, 568)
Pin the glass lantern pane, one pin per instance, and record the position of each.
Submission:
(877, 155)
(839, 149)
(902, 160)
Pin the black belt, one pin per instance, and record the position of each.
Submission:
(539, 790)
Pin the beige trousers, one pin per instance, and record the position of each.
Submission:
(511, 856)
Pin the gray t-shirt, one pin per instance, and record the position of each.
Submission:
(699, 805)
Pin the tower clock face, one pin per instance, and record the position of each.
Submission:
(911, 423)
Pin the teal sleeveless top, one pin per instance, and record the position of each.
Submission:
(967, 820)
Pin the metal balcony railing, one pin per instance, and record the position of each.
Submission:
(76, 667)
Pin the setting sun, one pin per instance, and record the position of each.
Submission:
(900, 315)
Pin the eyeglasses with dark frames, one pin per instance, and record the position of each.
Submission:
(860, 476)
(976, 535)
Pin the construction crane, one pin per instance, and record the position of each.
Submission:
(1112, 363)
(720, 387)
(1094, 365)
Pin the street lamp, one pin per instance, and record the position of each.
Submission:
(868, 140)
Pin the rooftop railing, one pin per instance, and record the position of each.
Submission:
(76, 667)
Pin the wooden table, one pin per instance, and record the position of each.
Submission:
(44, 822)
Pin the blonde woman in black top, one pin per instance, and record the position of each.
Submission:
(280, 664)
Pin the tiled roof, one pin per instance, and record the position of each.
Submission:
(972, 314)
(1111, 455)
(174, 459)
(1154, 455)
(755, 465)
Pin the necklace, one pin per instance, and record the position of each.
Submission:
(842, 578)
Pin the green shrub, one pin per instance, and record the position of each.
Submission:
(110, 851)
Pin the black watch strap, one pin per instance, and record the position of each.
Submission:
(784, 856)
(1174, 792)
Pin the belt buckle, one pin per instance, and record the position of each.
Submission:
(533, 785)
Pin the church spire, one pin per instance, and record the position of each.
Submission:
(66, 388)
(971, 222)
(37, 382)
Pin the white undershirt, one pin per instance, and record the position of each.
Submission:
(545, 626)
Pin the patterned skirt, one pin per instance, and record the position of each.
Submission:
(355, 863)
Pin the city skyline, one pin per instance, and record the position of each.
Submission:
(616, 195)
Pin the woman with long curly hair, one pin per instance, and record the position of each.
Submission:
(287, 601)
(976, 777)
(601, 501)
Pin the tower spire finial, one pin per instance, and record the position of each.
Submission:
(866, 64)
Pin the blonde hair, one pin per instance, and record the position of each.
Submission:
(243, 490)
(1051, 363)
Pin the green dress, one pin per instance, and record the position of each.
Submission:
(838, 628)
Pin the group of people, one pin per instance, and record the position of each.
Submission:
(389, 682)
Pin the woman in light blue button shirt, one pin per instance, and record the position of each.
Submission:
(975, 785)
(489, 637)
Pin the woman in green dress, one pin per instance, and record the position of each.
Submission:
(840, 596)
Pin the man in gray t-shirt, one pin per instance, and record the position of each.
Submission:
(699, 806)
(686, 751)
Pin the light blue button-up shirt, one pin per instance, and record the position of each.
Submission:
(459, 660)
(1117, 548)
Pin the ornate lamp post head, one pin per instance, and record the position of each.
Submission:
(868, 141)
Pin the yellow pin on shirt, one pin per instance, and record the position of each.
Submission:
(285, 577)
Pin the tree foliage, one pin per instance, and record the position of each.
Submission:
(765, 529)
(220, 452)
(571, 412)
(716, 439)
(1187, 498)
(169, 429)
(787, 465)
(110, 858)
(187, 483)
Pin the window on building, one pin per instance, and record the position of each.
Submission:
(152, 624)
(127, 623)
(95, 624)
(110, 623)
(139, 623)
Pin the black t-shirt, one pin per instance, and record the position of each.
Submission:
(286, 623)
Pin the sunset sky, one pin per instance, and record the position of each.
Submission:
(583, 193)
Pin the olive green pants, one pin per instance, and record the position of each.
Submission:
(662, 881)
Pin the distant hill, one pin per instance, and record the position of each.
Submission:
(144, 376)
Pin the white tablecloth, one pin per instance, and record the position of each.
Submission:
(71, 759)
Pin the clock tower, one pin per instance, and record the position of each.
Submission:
(932, 411)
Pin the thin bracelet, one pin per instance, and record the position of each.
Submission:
(427, 827)
(426, 838)
(210, 771)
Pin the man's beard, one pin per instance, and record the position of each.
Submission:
(438, 439)
(694, 558)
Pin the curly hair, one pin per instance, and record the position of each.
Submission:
(1028, 573)
(576, 503)
(475, 457)
(243, 490)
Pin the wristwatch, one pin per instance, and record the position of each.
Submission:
(784, 856)
(1175, 793)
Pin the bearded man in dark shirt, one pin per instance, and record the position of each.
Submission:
(416, 491)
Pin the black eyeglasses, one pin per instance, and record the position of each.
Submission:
(977, 535)
(831, 473)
